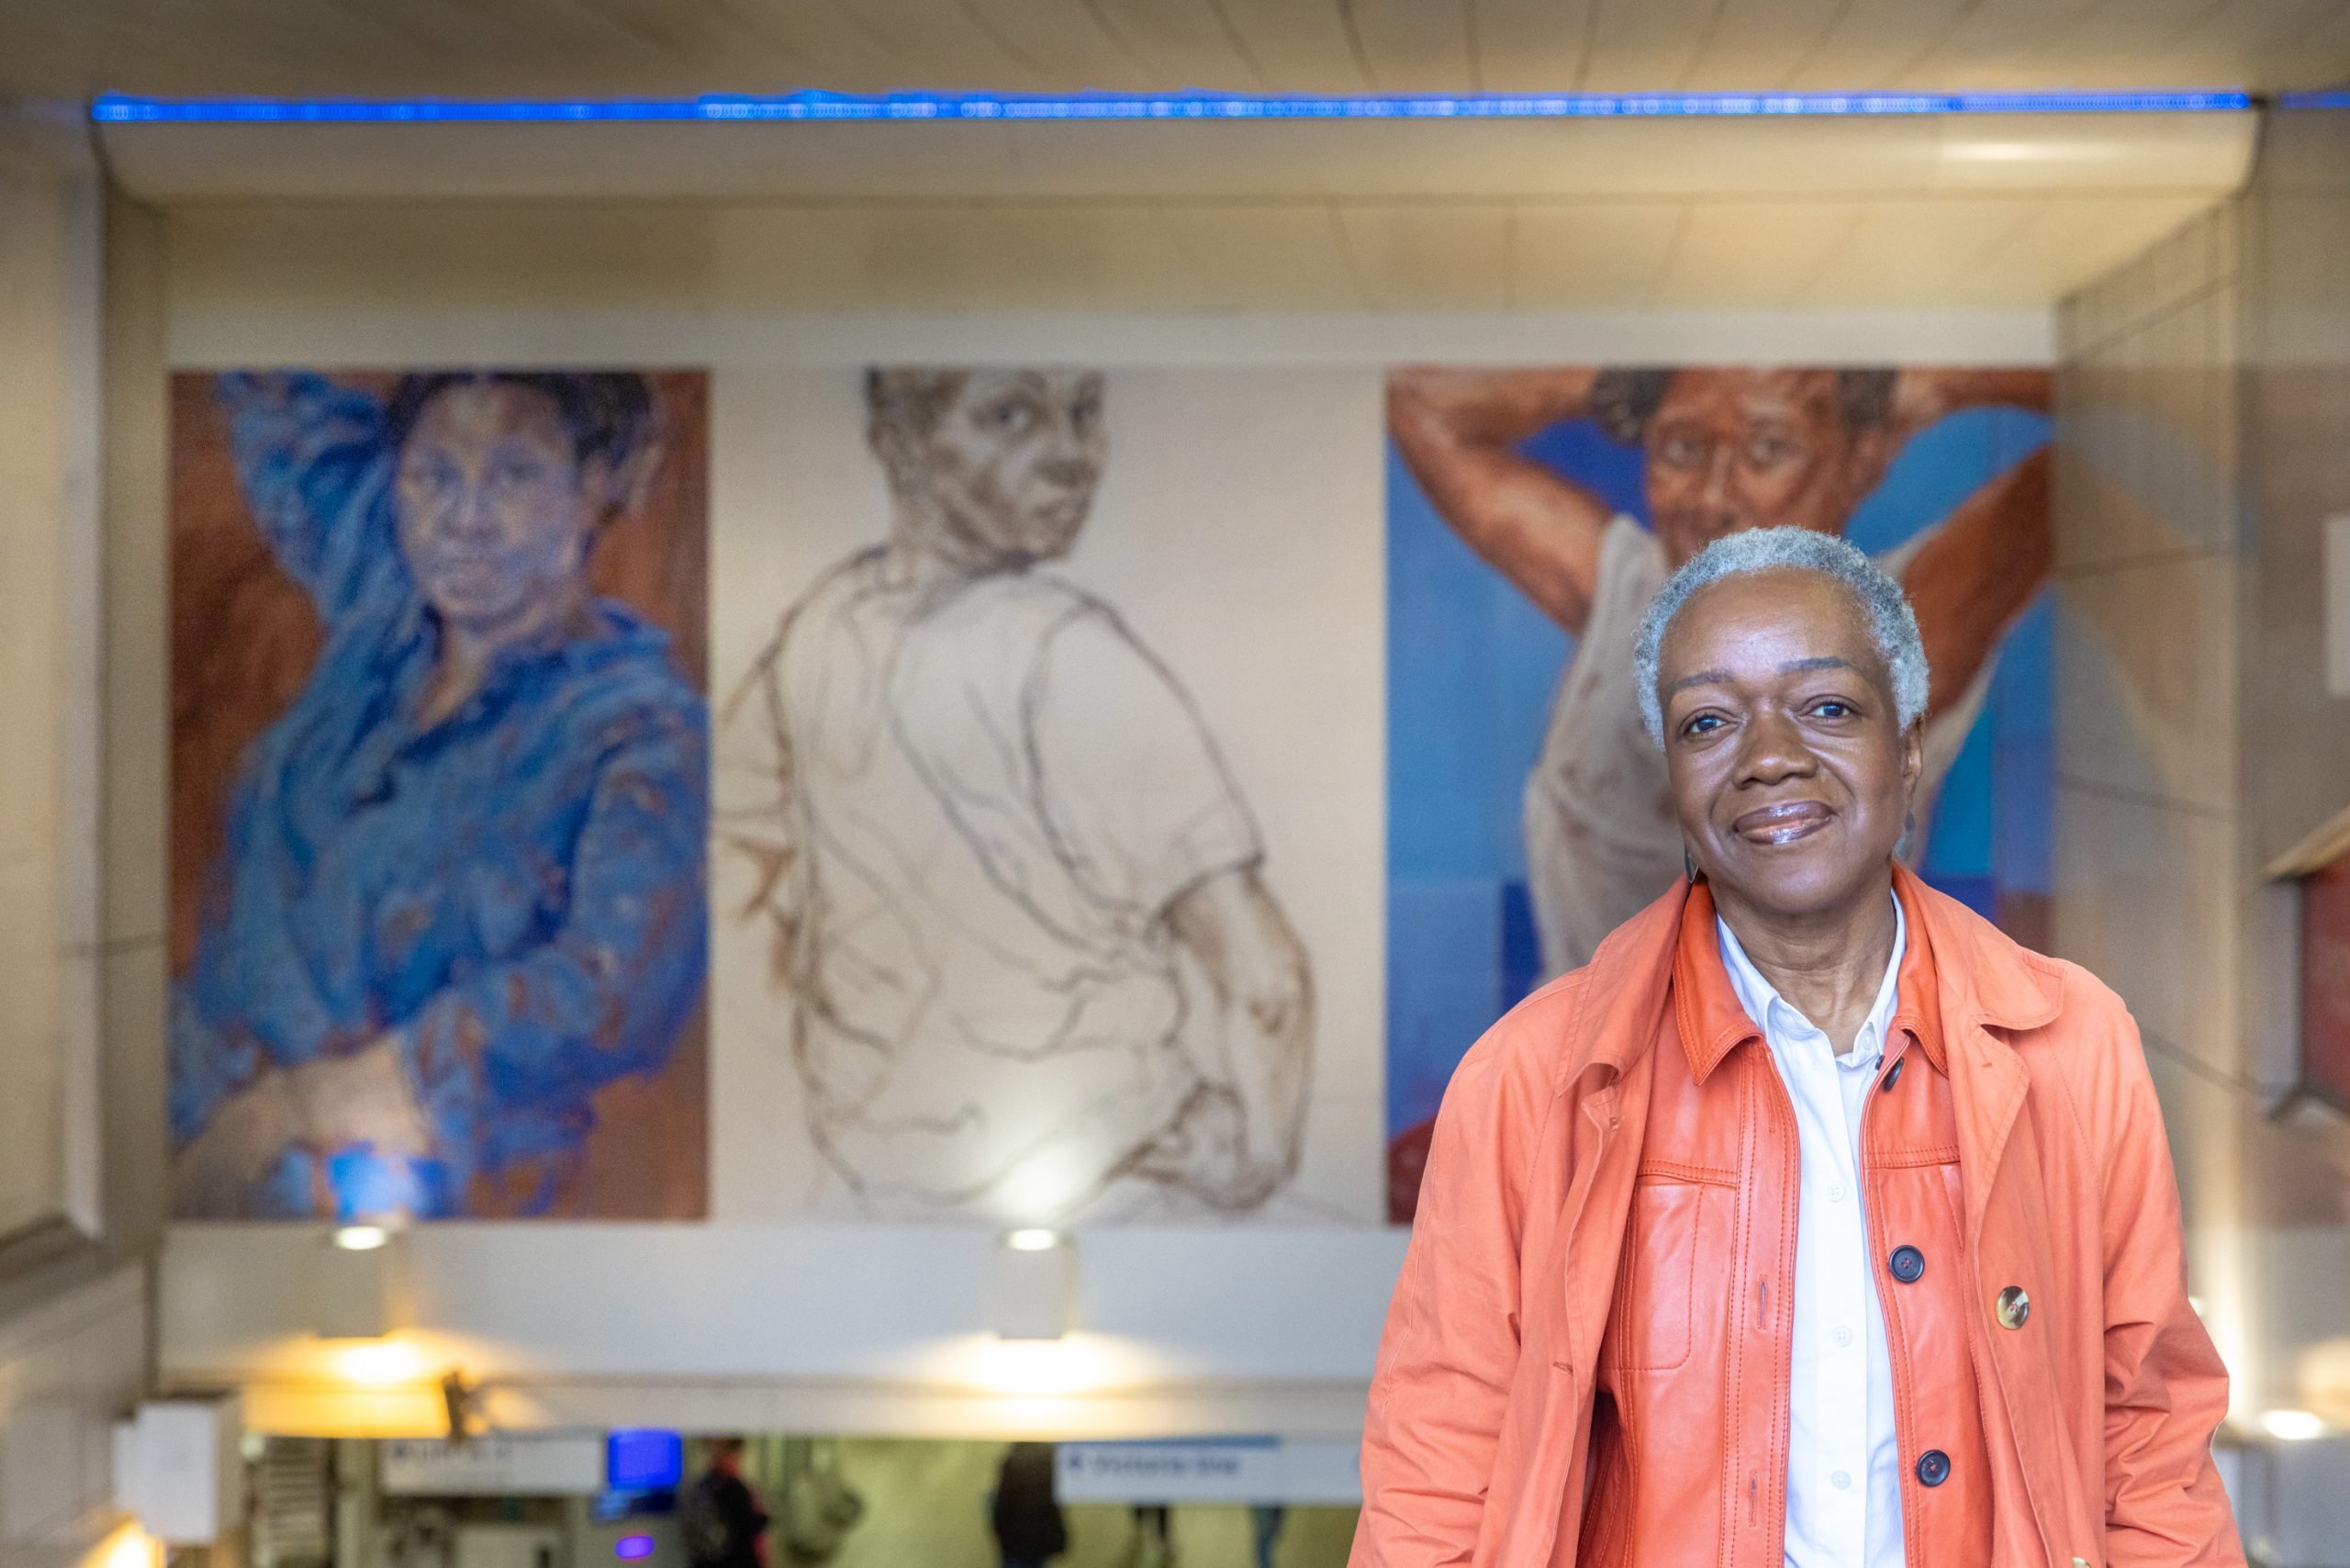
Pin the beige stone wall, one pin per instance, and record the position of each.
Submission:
(2149, 574)
(2203, 436)
(80, 1064)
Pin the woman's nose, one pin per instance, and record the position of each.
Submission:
(1774, 749)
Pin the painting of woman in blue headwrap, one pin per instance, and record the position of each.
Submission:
(440, 796)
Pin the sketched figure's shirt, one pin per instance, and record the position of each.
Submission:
(516, 892)
(983, 795)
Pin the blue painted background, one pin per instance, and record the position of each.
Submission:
(1471, 667)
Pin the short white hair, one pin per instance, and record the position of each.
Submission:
(1892, 623)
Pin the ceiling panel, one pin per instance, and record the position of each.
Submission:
(1592, 255)
(1416, 46)
(1183, 41)
(760, 259)
(1497, 160)
(1646, 46)
(2064, 244)
(1441, 258)
(1736, 254)
(617, 48)
(1301, 45)
(1531, 46)
(1048, 52)
(1752, 43)
(1899, 251)
(1875, 44)
(1287, 257)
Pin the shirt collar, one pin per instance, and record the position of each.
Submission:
(1713, 1018)
(1778, 1017)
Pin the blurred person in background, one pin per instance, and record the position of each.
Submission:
(1725, 450)
(1026, 1511)
(721, 1517)
(1153, 1545)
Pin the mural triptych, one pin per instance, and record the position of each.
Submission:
(973, 794)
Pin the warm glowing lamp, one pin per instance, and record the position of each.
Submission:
(1034, 1280)
(2292, 1425)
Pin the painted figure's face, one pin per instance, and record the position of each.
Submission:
(496, 512)
(1791, 772)
(1011, 465)
(1737, 449)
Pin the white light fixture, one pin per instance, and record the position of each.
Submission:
(358, 1284)
(1034, 1277)
(2292, 1425)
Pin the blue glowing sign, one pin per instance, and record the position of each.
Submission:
(643, 1459)
(632, 1547)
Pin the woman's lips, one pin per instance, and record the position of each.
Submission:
(1782, 824)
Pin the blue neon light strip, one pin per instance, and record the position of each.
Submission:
(2333, 100)
(113, 108)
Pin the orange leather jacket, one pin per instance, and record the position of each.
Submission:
(2096, 1417)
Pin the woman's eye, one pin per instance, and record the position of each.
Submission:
(1004, 416)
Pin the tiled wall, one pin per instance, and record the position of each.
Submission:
(68, 1368)
(80, 1061)
(2149, 574)
(2203, 435)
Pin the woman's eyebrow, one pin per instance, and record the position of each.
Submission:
(1703, 678)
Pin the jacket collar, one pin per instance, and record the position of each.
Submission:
(1957, 970)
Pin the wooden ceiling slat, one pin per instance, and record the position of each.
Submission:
(1067, 42)
(1531, 46)
(1298, 46)
(1869, 42)
(1591, 255)
(625, 48)
(1755, 45)
(1646, 46)
(1179, 44)
(1449, 257)
(1417, 46)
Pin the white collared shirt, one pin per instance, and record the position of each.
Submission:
(1843, 1457)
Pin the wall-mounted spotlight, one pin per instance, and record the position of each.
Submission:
(359, 1283)
(1034, 1280)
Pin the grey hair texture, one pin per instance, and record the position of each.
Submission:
(1892, 624)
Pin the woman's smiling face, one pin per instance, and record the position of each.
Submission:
(496, 511)
(1791, 771)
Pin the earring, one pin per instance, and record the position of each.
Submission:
(1688, 862)
(1908, 831)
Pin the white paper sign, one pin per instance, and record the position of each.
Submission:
(554, 1466)
(1209, 1470)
